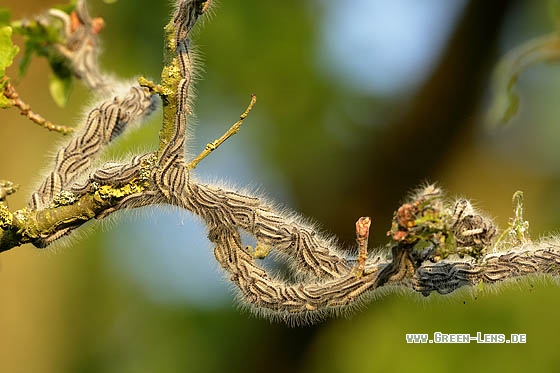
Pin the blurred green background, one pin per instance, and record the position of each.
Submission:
(359, 102)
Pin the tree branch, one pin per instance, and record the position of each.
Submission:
(430, 237)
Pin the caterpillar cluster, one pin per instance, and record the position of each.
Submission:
(436, 246)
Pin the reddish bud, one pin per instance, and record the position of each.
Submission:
(362, 227)
(97, 24)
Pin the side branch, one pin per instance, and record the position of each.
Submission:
(11, 94)
(230, 132)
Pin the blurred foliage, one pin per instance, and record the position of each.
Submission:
(333, 154)
(67, 7)
(555, 11)
(5, 15)
(506, 101)
(7, 53)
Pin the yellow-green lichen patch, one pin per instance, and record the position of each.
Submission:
(109, 192)
(146, 168)
(64, 198)
(260, 251)
(6, 217)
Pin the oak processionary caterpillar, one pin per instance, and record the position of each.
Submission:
(436, 245)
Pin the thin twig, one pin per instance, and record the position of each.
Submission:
(362, 234)
(25, 110)
(232, 131)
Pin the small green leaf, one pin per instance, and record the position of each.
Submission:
(5, 102)
(5, 16)
(7, 49)
(60, 88)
